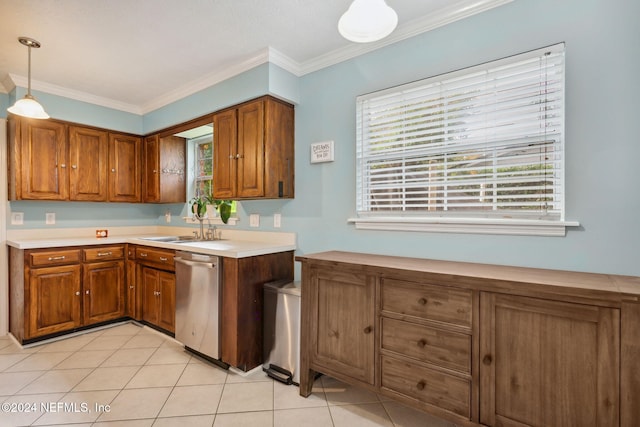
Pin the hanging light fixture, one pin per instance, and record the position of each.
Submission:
(367, 21)
(28, 106)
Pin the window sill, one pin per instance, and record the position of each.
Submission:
(213, 220)
(466, 225)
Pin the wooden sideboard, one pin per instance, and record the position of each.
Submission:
(475, 344)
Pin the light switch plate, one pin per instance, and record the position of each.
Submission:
(277, 220)
(17, 218)
(254, 220)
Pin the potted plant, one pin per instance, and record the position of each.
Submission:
(199, 207)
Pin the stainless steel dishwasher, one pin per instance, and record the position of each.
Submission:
(198, 303)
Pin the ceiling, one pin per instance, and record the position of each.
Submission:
(137, 55)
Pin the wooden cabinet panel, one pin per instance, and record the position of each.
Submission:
(149, 285)
(164, 169)
(427, 344)
(88, 162)
(439, 303)
(43, 173)
(130, 290)
(426, 385)
(124, 168)
(548, 363)
(167, 301)
(342, 336)
(225, 135)
(54, 300)
(250, 150)
(103, 286)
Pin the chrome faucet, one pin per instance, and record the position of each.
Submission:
(211, 233)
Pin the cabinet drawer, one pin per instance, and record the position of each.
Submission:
(433, 302)
(439, 347)
(155, 256)
(427, 385)
(104, 253)
(58, 257)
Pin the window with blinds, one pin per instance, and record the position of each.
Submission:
(483, 142)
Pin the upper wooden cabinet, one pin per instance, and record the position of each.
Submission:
(124, 168)
(253, 151)
(88, 158)
(164, 169)
(54, 160)
(37, 160)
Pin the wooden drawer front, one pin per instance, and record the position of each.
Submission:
(155, 256)
(59, 257)
(431, 302)
(427, 385)
(443, 348)
(104, 253)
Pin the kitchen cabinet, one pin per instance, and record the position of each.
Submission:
(62, 289)
(242, 305)
(164, 169)
(476, 344)
(103, 284)
(124, 168)
(37, 159)
(254, 151)
(88, 162)
(158, 298)
(343, 322)
(548, 363)
(131, 288)
(55, 160)
(157, 287)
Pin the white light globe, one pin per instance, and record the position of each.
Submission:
(367, 21)
(28, 107)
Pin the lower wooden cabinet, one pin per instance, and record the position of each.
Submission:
(548, 363)
(62, 289)
(158, 298)
(499, 346)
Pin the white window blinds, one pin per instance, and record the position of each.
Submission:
(482, 142)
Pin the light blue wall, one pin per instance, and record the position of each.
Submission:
(602, 128)
(602, 148)
(4, 104)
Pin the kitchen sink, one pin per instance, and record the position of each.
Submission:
(178, 239)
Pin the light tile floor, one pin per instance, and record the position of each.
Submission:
(129, 375)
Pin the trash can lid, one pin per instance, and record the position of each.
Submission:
(284, 286)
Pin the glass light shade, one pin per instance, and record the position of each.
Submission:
(28, 107)
(367, 21)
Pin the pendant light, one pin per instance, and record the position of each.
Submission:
(28, 106)
(367, 21)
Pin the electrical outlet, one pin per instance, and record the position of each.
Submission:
(254, 220)
(277, 220)
(50, 218)
(17, 218)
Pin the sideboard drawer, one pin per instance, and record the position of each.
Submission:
(57, 257)
(427, 385)
(433, 302)
(104, 253)
(443, 348)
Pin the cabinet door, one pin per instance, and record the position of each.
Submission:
(225, 134)
(167, 301)
(151, 169)
(103, 286)
(130, 290)
(250, 172)
(124, 168)
(44, 173)
(546, 363)
(54, 300)
(88, 160)
(343, 310)
(149, 279)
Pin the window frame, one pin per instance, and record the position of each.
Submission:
(480, 220)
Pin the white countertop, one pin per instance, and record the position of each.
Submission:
(234, 244)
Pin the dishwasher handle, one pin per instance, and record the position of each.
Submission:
(195, 263)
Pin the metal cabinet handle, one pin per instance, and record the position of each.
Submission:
(421, 385)
(130, 286)
(163, 259)
(86, 292)
(78, 293)
(239, 156)
(487, 359)
(422, 343)
(367, 330)
(422, 301)
(63, 166)
(57, 258)
(232, 156)
(105, 253)
(113, 170)
(143, 254)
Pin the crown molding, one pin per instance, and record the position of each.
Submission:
(457, 11)
(452, 13)
(77, 95)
